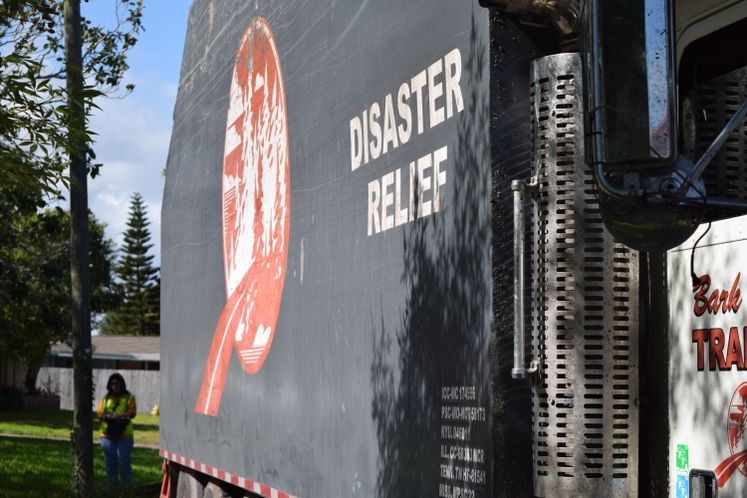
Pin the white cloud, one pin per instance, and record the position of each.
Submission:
(132, 144)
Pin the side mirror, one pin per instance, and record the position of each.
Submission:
(648, 197)
(630, 77)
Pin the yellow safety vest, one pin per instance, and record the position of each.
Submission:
(123, 405)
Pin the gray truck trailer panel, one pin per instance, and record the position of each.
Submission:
(377, 381)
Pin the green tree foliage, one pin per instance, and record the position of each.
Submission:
(34, 150)
(31, 115)
(33, 106)
(45, 100)
(139, 313)
(35, 279)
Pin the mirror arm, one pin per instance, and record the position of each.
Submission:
(723, 203)
(713, 149)
(609, 189)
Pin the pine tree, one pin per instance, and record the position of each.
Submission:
(139, 313)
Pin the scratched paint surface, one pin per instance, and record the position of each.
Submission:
(256, 175)
(265, 234)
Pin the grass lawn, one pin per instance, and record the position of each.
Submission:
(57, 424)
(32, 468)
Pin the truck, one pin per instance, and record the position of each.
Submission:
(456, 249)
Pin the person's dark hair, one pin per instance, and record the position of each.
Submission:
(121, 381)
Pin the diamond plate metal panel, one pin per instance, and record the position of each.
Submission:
(584, 309)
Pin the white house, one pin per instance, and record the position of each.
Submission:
(137, 358)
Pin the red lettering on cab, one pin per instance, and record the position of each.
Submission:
(718, 299)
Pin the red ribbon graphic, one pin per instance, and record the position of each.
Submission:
(216, 367)
(735, 428)
(726, 468)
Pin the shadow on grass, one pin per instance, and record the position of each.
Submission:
(43, 418)
(145, 427)
(43, 468)
(58, 424)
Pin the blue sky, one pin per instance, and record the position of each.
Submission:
(134, 131)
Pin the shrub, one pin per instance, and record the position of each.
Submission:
(11, 398)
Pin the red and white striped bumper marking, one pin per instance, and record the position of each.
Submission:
(242, 482)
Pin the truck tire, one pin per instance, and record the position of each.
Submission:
(188, 486)
(212, 490)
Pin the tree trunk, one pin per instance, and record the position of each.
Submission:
(32, 373)
(79, 268)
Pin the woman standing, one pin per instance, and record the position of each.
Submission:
(116, 411)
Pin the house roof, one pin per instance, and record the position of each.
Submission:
(120, 347)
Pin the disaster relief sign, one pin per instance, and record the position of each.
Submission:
(423, 102)
(708, 361)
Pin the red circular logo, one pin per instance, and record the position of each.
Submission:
(736, 422)
(255, 212)
(256, 194)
